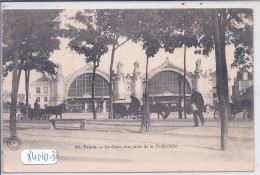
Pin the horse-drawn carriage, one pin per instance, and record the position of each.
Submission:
(233, 111)
(33, 114)
(41, 114)
(246, 106)
(121, 111)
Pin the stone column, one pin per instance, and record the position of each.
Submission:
(60, 86)
(137, 82)
(104, 106)
(196, 81)
(95, 104)
(86, 107)
(53, 91)
(119, 82)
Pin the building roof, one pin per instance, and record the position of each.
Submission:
(43, 78)
(167, 65)
(88, 68)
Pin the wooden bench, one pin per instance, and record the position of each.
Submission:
(81, 121)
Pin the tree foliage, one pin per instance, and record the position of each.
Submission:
(29, 38)
(37, 31)
(230, 26)
(89, 41)
(182, 27)
(117, 24)
(237, 28)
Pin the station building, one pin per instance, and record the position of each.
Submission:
(75, 89)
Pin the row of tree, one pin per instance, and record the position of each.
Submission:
(206, 30)
(6, 97)
(29, 41)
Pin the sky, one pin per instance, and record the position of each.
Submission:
(127, 54)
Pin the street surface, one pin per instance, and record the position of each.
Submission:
(117, 145)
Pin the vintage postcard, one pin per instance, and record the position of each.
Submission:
(128, 89)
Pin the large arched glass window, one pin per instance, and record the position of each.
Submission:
(166, 82)
(81, 86)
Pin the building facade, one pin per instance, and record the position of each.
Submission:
(243, 89)
(75, 89)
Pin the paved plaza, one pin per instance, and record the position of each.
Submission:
(119, 144)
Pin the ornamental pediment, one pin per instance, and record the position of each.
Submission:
(43, 78)
(166, 66)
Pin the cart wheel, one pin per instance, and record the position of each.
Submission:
(139, 116)
(43, 117)
(117, 116)
(233, 116)
(21, 117)
(132, 116)
(247, 115)
(36, 118)
(217, 114)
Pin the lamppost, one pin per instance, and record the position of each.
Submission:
(179, 79)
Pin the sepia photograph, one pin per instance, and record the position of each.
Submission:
(128, 90)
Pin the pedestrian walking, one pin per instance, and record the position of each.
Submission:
(197, 99)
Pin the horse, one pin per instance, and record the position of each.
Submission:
(55, 110)
(159, 109)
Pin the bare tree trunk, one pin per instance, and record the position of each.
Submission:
(220, 82)
(145, 125)
(14, 95)
(224, 69)
(93, 91)
(111, 90)
(19, 75)
(27, 76)
(184, 83)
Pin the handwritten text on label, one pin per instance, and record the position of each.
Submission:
(35, 157)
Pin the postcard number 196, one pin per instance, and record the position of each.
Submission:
(35, 157)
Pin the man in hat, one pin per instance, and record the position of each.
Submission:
(36, 108)
(197, 98)
(36, 105)
(134, 105)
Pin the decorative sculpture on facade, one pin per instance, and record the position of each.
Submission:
(136, 67)
(59, 71)
(119, 68)
(136, 72)
(119, 82)
(198, 69)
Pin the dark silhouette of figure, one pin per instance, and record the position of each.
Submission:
(36, 105)
(134, 105)
(55, 110)
(36, 108)
(197, 98)
(160, 108)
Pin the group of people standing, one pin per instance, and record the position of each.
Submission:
(196, 101)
